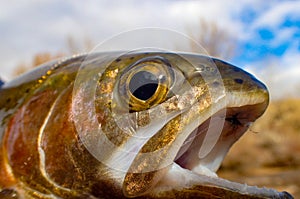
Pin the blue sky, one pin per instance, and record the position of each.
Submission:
(271, 39)
(267, 32)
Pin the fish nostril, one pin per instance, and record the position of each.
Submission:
(239, 81)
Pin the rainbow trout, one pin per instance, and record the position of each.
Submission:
(127, 125)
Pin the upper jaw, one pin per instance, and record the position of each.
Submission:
(206, 146)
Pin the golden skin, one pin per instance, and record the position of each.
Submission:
(48, 144)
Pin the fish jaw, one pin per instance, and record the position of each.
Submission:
(183, 183)
(232, 116)
(190, 175)
(194, 174)
(198, 179)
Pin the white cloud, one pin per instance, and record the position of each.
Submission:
(276, 13)
(39, 26)
(283, 35)
(43, 26)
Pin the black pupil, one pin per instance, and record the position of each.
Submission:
(143, 85)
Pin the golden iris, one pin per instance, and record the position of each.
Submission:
(146, 83)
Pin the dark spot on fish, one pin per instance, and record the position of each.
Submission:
(27, 90)
(119, 59)
(131, 58)
(239, 81)
(8, 100)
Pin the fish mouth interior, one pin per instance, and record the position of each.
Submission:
(233, 121)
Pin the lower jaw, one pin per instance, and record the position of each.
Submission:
(183, 183)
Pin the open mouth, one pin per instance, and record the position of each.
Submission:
(226, 126)
(194, 172)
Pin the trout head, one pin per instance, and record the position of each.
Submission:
(162, 123)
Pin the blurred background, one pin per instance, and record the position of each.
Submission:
(262, 37)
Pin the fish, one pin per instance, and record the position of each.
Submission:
(137, 124)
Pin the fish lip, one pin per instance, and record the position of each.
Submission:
(236, 122)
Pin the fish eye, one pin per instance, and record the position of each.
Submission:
(145, 83)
